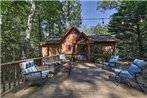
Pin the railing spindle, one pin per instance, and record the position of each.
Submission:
(3, 71)
(15, 78)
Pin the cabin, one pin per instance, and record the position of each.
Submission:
(79, 46)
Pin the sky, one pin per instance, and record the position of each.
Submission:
(89, 10)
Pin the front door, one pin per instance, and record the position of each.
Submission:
(83, 52)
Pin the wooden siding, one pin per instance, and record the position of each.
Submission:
(51, 50)
(44, 51)
(69, 41)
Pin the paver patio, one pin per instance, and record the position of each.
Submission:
(87, 80)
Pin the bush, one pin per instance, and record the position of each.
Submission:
(100, 60)
(96, 59)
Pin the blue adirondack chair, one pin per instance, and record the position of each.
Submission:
(112, 61)
(30, 73)
(135, 69)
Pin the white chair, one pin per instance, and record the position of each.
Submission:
(63, 58)
(30, 73)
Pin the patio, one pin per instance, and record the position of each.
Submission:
(87, 80)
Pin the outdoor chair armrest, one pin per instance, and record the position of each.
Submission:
(137, 74)
(33, 72)
(118, 73)
(145, 75)
(30, 76)
(42, 68)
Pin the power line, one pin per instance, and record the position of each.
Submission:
(95, 18)
(105, 18)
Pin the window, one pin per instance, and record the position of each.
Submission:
(69, 48)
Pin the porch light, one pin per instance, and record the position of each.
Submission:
(141, 20)
(103, 21)
(122, 22)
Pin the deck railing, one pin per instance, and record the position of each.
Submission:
(11, 72)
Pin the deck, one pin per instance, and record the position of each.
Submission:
(87, 80)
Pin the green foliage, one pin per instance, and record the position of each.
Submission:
(50, 19)
(55, 15)
(100, 29)
(127, 27)
(13, 27)
(97, 59)
(95, 30)
(105, 5)
(100, 60)
(72, 12)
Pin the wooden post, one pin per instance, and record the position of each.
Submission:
(114, 47)
(76, 50)
(48, 51)
(88, 51)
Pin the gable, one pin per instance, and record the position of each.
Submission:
(72, 33)
(82, 38)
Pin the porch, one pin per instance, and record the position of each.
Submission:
(87, 80)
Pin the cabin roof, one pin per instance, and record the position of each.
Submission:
(54, 40)
(102, 38)
(94, 38)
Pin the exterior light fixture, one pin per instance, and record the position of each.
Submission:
(122, 22)
(103, 21)
(141, 20)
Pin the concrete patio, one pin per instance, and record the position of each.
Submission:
(87, 80)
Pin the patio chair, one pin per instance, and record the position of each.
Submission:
(142, 79)
(135, 69)
(112, 62)
(31, 74)
(57, 67)
(63, 58)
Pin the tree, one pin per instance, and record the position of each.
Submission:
(72, 13)
(49, 18)
(126, 25)
(95, 30)
(12, 29)
(100, 29)
(107, 5)
(26, 46)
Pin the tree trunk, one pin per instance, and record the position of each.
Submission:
(26, 44)
(139, 38)
(40, 36)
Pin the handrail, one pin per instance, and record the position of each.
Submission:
(11, 72)
(14, 62)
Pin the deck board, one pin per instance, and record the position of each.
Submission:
(87, 80)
